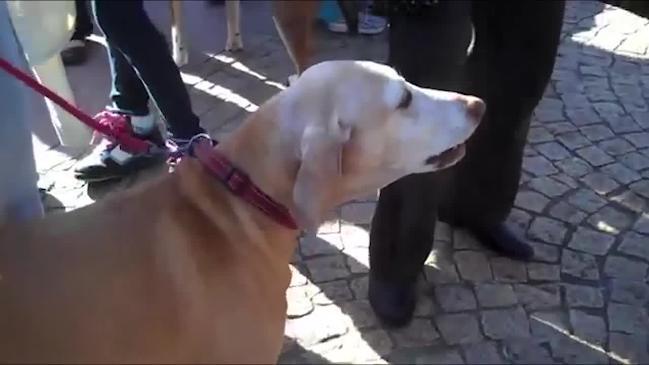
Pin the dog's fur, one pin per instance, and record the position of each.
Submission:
(179, 270)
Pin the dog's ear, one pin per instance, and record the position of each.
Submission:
(321, 153)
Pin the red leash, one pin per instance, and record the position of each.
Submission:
(127, 141)
(237, 181)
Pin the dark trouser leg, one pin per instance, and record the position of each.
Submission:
(83, 22)
(429, 51)
(128, 29)
(515, 48)
(128, 94)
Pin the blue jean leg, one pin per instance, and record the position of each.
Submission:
(19, 197)
(135, 41)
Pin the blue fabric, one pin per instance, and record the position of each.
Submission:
(329, 11)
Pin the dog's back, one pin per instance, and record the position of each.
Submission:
(154, 275)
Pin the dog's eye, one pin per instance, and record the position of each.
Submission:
(406, 99)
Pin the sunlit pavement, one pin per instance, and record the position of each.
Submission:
(583, 201)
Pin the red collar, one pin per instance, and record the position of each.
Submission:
(240, 184)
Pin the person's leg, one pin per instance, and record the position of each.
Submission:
(141, 65)
(19, 196)
(76, 50)
(428, 49)
(128, 28)
(515, 48)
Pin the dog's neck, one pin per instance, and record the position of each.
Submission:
(262, 149)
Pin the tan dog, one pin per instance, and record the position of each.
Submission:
(178, 270)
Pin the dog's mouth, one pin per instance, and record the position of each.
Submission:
(447, 158)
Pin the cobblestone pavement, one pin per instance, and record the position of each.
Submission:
(583, 202)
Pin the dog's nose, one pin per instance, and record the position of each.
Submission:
(476, 108)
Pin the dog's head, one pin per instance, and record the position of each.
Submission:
(362, 126)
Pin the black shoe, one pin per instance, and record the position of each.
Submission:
(502, 240)
(75, 53)
(114, 164)
(394, 304)
(107, 168)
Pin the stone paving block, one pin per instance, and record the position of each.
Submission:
(583, 296)
(635, 244)
(539, 166)
(543, 272)
(631, 200)
(547, 325)
(461, 328)
(297, 278)
(547, 230)
(531, 200)
(455, 298)
(322, 244)
(299, 302)
(586, 200)
(567, 213)
(506, 270)
(634, 292)
(527, 351)
(570, 351)
(573, 140)
(626, 318)
(588, 327)
(632, 348)
(594, 156)
(597, 132)
(583, 116)
(600, 183)
(611, 220)
(420, 332)
(590, 241)
(539, 134)
(354, 236)
(360, 312)
(359, 286)
(541, 296)
(642, 224)
(545, 252)
(357, 259)
(579, 265)
(492, 295)
(616, 146)
(333, 292)
(574, 167)
(567, 180)
(500, 324)
(358, 213)
(549, 110)
(641, 188)
(322, 324)
(327, 268)
(624, 268)
(621, 173)
(473, 266)
(624, 124)
(433, 356)
(635, 161)
(552, 150)
(558, 128)
(548, 186)
(639, 139)
(485, 353)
